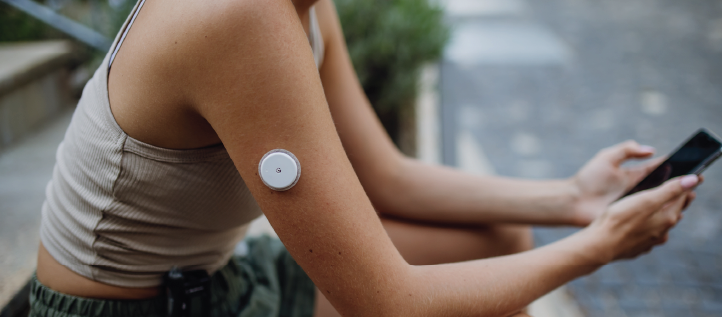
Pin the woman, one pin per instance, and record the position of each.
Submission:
(159, 169)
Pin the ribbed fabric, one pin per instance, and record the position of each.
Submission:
(123, 212)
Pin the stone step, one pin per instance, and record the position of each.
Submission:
(34, 86)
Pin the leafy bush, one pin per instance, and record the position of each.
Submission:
(388, 41)
(105, 17)
(18, 26)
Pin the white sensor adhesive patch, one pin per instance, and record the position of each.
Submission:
(279, 169)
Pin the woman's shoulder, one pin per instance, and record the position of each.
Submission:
(225, 19)
(180, 56)
(173, 35)
(196, 41)
(216, 32)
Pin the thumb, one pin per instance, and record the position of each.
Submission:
(657, 197)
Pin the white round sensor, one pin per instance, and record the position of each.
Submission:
(279, 169)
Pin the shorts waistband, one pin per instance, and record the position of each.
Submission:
(48, 302)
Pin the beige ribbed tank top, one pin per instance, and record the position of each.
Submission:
(123, 212)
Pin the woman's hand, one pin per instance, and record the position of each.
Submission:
(602, 180)
(635, 224)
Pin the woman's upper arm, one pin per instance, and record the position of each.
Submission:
(372, 153)
(255, 82)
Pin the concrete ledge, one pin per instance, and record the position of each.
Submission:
(33, 86)
(21, 63)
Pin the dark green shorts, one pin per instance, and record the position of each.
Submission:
(265, 282)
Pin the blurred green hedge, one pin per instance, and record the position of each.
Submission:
(389, 41)
(18, 26)
(98, 15)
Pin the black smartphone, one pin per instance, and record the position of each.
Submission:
(693, 157)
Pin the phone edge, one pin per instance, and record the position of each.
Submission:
(701, 167)
(704, 165)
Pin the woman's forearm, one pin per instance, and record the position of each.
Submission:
(500, 286)
(441, 194)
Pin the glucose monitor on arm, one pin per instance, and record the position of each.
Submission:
(279, 170)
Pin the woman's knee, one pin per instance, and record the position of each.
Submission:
(511, 238)
(422, 244)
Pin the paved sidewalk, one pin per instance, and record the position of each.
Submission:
(25, 170)
(537, 88)
(472, 160)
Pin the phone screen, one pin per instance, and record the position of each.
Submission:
(692, 157)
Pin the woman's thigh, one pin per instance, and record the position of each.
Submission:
(425, 244)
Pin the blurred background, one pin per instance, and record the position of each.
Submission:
(535, 88)
(510, 87)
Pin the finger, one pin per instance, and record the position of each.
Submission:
(676, 208)
(669, 215)
(640, 250)
(689, 200)
(637, 173)
(660, 224)
(663, 239)
(630, 149)
(655, 198)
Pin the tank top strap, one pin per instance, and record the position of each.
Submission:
(125, 32)
(315, 38)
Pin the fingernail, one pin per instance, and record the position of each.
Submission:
(646, 148)
(689, 181)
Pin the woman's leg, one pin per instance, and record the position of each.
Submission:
(424, 244)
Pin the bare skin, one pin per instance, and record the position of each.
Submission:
(201, 82)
